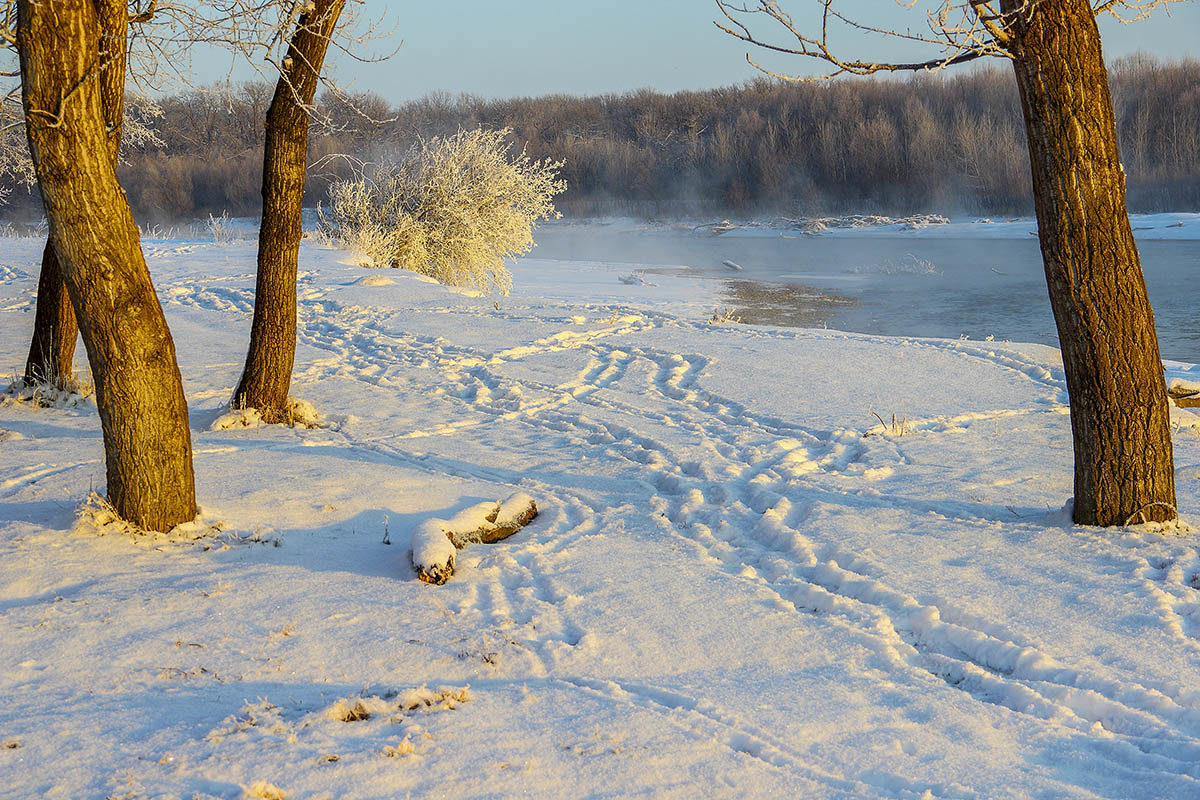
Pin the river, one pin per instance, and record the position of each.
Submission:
(897, 284)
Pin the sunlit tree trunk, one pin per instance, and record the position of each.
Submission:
(268, 371)
(52, 348)
(139, 394)
(1119, 415)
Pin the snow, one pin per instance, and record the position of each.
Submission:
(769, 562)
(298, 412)
(1158, 226)
(435, 540)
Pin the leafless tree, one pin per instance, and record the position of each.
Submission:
(268, 371)
(139, 393)
(1123, 457)
(52, 348)
(291, 38)
(73, 58)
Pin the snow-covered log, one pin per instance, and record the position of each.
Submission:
(1185, 394)
(435, 541)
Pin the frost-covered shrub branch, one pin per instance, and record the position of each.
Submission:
(139, 134)
(453, 208)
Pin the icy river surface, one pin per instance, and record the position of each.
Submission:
(945, 281)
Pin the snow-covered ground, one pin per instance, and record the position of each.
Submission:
(769, 562)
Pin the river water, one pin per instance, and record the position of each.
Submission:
(902, 284)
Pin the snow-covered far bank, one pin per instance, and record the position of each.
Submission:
(1162, 226)
(768, 562)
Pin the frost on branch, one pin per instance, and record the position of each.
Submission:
(453, 209)
(435, 541)
(16, 168)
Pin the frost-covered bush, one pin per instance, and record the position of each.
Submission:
(452, 208)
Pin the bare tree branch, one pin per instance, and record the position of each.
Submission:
(1127, 11)
(255, 31)
(961, 30)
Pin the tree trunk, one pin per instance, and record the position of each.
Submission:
(1119, 416)
(268, 371)
(52, 350)
(143, 413)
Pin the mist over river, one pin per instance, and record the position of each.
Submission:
(944, 283)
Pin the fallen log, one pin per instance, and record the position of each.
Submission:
(1184, 395)
(435, 541)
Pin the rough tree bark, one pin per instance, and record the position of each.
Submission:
(1119, 415)
(52, 349)
(268, 371)
(139, 394)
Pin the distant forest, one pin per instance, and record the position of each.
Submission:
(950, 142)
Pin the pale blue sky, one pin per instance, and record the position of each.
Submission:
(530, 47)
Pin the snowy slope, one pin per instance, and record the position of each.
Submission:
(741, 582)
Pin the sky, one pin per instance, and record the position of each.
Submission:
(534, 47)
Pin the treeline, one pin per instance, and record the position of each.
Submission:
(947, 142)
